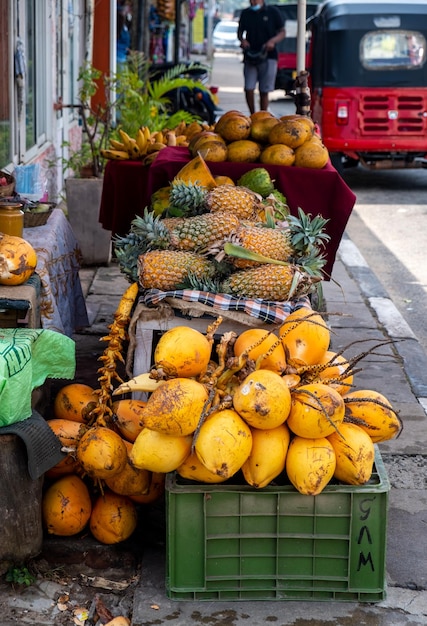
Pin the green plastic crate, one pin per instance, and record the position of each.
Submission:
(233, 542)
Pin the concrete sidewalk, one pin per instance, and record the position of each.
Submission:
(357, 310)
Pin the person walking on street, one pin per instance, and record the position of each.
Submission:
(260, 28)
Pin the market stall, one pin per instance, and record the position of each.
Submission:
(128, 186)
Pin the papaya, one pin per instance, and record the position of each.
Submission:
(196, 171)
(311, 154)
(277, 154)
(291, 132)
(243, 151)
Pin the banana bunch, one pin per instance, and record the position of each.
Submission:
(147, 144)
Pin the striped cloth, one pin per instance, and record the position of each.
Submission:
(268, 312)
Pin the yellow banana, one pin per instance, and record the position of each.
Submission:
(179, 130)
(126, 139)
(117, 145)
(157, 137)
(133, 149)
(142, 382)
(181, 140)
(171, 138)
(155, 147)
(118, 155)
(141, 141)
(147, 133)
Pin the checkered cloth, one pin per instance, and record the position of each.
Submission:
(268, 312)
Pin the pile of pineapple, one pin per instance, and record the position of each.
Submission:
(207, 233)
(267, 404)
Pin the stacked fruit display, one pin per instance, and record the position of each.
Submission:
(259, 138)
(95, 484)
(262, 137)
(147, 144)
(209, 234)
(267, 405)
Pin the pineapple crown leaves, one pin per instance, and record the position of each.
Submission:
(150, 229)
(233, 249)
(187, 198)
(307, 232)
(147, 232)
(201, 283)
(127, 250)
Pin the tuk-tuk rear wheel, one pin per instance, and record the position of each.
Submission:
(337, 161)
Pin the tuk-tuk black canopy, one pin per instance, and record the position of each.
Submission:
(337, 30)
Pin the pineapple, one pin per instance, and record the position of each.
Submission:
(169, 269)
(199, 232)
(147, 231)
(271, 242)
(234, 199)
(187, 199)
(276, 283)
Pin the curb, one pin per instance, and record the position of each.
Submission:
(412, 354)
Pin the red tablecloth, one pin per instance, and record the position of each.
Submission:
(128, 187)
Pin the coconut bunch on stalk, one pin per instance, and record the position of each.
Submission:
(274, 406)
(95, 486)
(210, 234)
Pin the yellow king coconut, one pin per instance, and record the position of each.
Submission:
(131, 481)
(317, 411)
(182, 351)
(268, 455)
(373, 412)
(305, 337)
(310, 464)
(175, 407)
(159, 452)
(193, 469)
(355, 454)
(101, 452)
(261, 343)
(224, 442)
(263, 400)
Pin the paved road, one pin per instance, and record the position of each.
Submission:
(388, 224)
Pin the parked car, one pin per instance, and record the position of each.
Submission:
(225, 36)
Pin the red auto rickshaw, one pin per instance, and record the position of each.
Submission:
(368, 80)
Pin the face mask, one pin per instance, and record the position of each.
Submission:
(255, 7)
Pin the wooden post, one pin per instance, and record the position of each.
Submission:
(21, 534)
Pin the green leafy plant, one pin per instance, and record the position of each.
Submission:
(143, 97)
(19, 576)
(131, 99)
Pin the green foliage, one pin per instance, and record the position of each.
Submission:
(19, 576)
(132, 99)
(143, 100)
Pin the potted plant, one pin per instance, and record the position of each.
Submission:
(131, 100)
